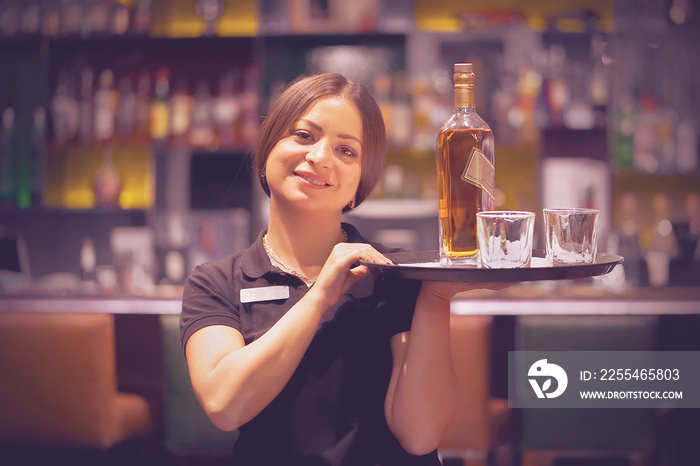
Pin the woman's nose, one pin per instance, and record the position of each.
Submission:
(320, 153)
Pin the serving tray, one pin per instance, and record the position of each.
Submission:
(425, 265)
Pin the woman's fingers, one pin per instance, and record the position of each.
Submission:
(361, 251)
(356, 274)
(339, 273)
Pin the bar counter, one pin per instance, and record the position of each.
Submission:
(578, 300)
(100, 304)
(517, 300)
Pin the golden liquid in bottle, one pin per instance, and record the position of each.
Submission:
(460, 200)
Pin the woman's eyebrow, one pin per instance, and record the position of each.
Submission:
(342, 136)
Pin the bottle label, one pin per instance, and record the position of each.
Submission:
(480, 172)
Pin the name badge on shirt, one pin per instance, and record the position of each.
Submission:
(264, 293)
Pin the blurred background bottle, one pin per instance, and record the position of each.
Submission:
(6, 149)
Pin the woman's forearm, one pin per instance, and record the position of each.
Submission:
(241, 383)
(425, 393)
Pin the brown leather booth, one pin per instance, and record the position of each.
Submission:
(58, 383)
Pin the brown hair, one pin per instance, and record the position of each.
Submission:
(295, 102)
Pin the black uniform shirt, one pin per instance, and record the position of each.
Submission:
(331, 412)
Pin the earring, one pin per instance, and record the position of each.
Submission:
(351, 205)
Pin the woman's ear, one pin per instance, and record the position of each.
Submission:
(263, 179)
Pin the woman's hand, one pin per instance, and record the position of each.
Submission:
(338, 274)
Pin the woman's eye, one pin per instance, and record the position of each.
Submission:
(348, 151)
(302, 135)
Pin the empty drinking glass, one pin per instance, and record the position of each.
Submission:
(571, 235)
(505, 238)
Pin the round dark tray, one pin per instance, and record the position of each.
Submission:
(425, 265)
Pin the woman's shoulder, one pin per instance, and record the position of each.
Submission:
(219, 273)
(224, 266)
(354, 236)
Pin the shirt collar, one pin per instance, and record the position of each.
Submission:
(255, 262)
(354, 235)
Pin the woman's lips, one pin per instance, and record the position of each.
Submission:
(312, 180)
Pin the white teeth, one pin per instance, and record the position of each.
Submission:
(316, 182)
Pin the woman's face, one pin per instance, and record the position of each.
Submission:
(317, 165)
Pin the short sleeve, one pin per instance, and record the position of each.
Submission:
(207, 301)
(397, 303)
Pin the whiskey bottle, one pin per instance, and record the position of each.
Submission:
(465, 172)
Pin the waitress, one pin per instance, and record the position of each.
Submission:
(314, 359)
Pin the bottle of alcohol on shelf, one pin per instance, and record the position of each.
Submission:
(36, 154)
(465, 171)
(87, 107)
(105, 102)
(6, 154)
(160, 110)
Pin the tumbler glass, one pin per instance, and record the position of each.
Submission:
(505, 238)
(571, 235)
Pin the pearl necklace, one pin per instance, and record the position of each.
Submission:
(287, 268)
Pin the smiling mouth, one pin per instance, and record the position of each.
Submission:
(312, 181)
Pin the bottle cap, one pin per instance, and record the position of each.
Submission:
(463, 68)
(463, 85)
